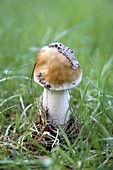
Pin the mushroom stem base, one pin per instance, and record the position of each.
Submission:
(57, 103)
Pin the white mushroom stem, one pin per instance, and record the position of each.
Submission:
(57, 103)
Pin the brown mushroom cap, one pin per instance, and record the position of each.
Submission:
(56, 68)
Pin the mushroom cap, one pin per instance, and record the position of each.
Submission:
(56, 68)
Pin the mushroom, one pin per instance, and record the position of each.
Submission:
(57, 70)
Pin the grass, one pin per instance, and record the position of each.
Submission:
(86, 27)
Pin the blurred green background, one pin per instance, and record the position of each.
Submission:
(25, 26)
